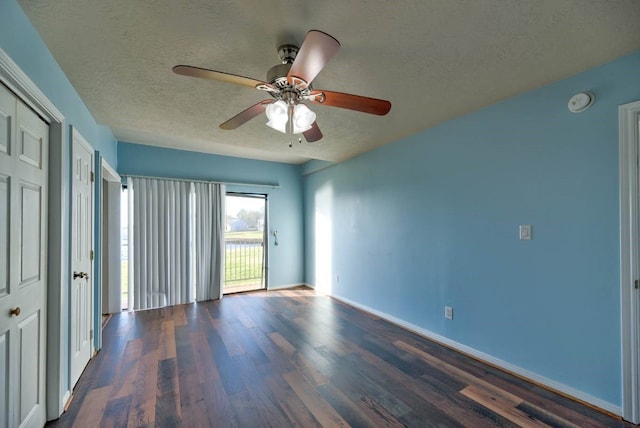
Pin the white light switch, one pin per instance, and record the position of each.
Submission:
(525, 232)
(448, 312)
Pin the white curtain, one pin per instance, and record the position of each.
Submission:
(209, 216)
(176, 242)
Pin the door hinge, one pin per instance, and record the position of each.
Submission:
(91, 255)
(92, 177)
(91, 334)
(636, 284)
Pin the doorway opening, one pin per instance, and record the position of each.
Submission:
(245, 235)
(125, 296)
(109, 289)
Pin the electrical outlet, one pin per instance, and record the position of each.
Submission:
(448, 312)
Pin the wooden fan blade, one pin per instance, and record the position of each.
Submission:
(351, 102)
(246, 115)
(204, 73)
(316, 51)
(313, 134)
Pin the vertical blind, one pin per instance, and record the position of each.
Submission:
(176, 241)
(208, 228)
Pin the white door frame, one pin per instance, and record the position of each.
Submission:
(57, 388)
(629, 116)
(111, 176)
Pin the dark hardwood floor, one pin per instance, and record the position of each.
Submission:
(295, 358)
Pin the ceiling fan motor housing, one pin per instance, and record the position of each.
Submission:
(277, 75)
(290, 92)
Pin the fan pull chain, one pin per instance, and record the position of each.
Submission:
(299, 142)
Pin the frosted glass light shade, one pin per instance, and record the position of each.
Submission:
(278, 126)
(303, 118)
(277, 115)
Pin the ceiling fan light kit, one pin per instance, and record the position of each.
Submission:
(298, 115)
(289, 85)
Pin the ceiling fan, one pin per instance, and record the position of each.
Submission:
(289, 85)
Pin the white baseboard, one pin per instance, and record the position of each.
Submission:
(66, 402)
(285, 286)
(549, 383)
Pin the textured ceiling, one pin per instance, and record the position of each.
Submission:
(433, 59)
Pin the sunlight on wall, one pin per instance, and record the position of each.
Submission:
(323, 239)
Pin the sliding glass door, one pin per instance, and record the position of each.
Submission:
(245, 236)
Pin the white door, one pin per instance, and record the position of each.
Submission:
(24, 144)
(81, 316)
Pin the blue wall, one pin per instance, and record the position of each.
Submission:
(285, 203)
(22, 43)
(432, 220)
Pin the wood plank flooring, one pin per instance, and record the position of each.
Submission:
(295, 358)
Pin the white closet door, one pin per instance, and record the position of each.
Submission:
(24, 147)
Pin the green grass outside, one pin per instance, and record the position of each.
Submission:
(250, 234)
(243, 266)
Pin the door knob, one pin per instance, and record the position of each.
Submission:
(15, 311)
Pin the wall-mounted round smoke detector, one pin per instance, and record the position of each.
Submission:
(580, 102)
